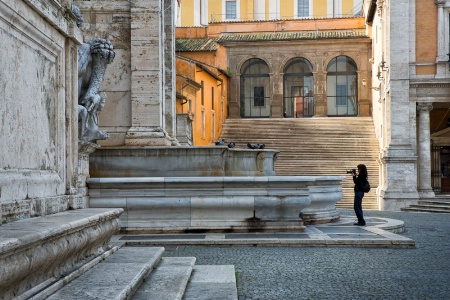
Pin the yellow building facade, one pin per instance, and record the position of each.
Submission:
(203, 12)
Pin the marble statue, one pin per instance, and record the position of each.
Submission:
(93, 57)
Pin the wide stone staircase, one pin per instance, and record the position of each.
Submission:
(144, 273)
(440, 204)
(314, 147)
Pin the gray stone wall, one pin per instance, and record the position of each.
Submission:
(38, 117)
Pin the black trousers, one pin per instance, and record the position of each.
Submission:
(357, 206)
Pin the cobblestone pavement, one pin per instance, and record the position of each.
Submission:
(284, 273)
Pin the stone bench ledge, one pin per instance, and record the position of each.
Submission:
(37, 249)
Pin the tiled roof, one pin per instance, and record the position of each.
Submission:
(288, 36)
(202, 44)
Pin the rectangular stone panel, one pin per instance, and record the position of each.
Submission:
(158, 212)
(222, 208)
(279, 208)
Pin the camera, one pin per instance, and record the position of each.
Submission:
(352, 171)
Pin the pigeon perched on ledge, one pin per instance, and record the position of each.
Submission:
(250, 146)
(231, 145)
(262, 146)
(220, 143)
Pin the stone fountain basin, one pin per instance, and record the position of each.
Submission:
(221, 203)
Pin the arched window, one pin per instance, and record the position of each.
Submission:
(255, 100)
(298, 89)
(342, 89)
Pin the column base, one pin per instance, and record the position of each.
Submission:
(426, 194)
(396, 200)
(149, 137)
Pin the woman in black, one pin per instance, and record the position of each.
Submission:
(359, 180)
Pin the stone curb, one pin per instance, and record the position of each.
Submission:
(382, 235)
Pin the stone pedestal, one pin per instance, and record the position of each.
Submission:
(82, 198)
(399, 181)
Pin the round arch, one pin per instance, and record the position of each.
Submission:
(298, 83)
(254, 88)
(342, 87)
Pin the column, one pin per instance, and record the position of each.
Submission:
(148, 127)
(424, 151)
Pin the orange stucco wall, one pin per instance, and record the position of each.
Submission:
(426, 36)
(191, 32)
(214, 109)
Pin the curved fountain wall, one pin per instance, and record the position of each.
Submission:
(191, 189)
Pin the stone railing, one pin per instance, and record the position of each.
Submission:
(188, 204)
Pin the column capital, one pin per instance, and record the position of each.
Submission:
(440, 2)
(424, 106)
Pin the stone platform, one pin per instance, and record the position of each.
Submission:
(378, 233)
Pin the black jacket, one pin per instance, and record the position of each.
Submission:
(359, 183)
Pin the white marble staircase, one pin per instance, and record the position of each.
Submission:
(314, 147)
(143, 273)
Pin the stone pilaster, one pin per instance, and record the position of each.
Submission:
(441, 58)
(169, 62)
(320, 97)
(424, 151)
(398, 157)
(148, 105)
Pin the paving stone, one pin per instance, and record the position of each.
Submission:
(352, 272)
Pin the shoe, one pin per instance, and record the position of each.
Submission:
(359, 224)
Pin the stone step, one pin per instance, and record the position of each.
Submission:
(212, 282)
(423, 209)
(442, 198)
(431, 206)
(314, 147)
(168, 281)
(36, 252)
(435, 202)
(117, 277)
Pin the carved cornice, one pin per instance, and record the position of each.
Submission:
(430, 85)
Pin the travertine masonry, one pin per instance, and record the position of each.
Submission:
(38, 117)
(141, 100)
